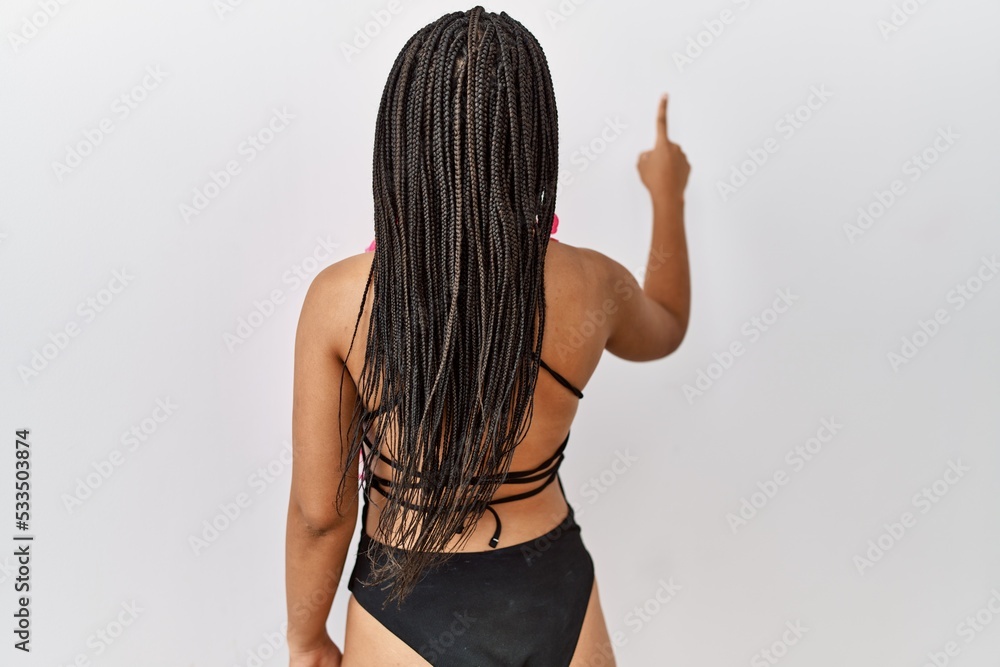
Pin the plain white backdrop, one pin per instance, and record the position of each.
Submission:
(174, 174)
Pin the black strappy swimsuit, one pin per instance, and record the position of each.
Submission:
(522, 604)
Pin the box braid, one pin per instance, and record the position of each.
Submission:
(464, 181)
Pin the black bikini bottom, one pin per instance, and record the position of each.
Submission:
(521, 605)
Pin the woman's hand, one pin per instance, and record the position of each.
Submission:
(325, 655)
(664, 169)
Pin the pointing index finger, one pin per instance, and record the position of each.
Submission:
(661, 120)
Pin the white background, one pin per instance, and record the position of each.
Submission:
(63, 234)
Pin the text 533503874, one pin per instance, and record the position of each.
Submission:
(22, 540)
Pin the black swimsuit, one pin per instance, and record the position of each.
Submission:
(522, 604)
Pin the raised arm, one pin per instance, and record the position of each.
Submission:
(650, 322)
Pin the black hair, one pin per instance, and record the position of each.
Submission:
(464, 181)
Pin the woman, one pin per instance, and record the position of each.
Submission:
(469, 553)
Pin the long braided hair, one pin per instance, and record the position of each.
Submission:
(465, 171)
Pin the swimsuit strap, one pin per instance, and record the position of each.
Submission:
(547, 470)
(563, 381)
(382, 409)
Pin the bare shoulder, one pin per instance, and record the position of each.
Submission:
(590, 269)
(344, 272)
(333, 300)
(569, 261)
(638, 328)
(334, 286)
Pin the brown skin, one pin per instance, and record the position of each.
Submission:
(640, 324)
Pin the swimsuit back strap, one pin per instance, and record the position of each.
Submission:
(547, 470)
(563, 381)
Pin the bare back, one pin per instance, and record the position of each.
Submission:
(572, 345)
